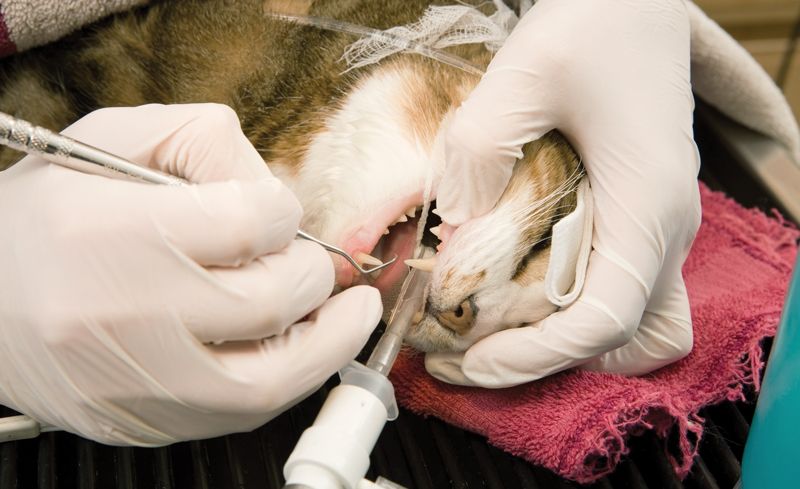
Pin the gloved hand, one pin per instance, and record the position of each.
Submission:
(613, 76)
(115, 292)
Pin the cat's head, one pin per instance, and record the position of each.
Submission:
(490, 275)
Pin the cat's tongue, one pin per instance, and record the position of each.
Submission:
(400, 242)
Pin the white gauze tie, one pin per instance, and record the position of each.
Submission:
(439, 27)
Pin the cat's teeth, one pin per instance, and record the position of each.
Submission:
(386, 231)
(436, 230)
(417, 317)
(436, 211)
(365, 259)
(411, 211)
(424, 264)
(402, 218)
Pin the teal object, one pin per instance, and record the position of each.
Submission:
(772, 453)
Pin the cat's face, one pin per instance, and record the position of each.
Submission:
(483, 281)
(490, 273)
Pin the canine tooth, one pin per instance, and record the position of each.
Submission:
(436, 211)
(436, 230)
(386, 231)
(402, 218)
(366, 259)
(411, 211)
(424, 264)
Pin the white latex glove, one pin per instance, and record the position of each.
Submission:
(613, 76)
(113, 290)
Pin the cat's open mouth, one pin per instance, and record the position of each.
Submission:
(391, 231)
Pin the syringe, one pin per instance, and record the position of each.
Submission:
(333, 453)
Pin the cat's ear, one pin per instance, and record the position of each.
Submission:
(569, 250)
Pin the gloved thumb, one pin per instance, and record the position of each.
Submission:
(315, 348)
(513, 104)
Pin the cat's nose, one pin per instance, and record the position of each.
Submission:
(460, 319)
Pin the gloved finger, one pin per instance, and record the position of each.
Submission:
(199, 142)
(184, 389)
(222, 223)
(281, 369)
(264, 297)
(664, 334)
(604, 318)
(516, 101)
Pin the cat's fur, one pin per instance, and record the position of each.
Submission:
(356, 148)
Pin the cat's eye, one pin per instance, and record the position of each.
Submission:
(460, 319)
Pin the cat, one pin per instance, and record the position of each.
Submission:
(357, 148)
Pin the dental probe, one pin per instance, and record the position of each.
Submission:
(67, 152)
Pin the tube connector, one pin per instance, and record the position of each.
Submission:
(366, 378)
(333, 453)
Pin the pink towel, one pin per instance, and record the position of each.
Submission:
(577, 423)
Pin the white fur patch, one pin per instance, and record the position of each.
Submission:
(365, 157)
